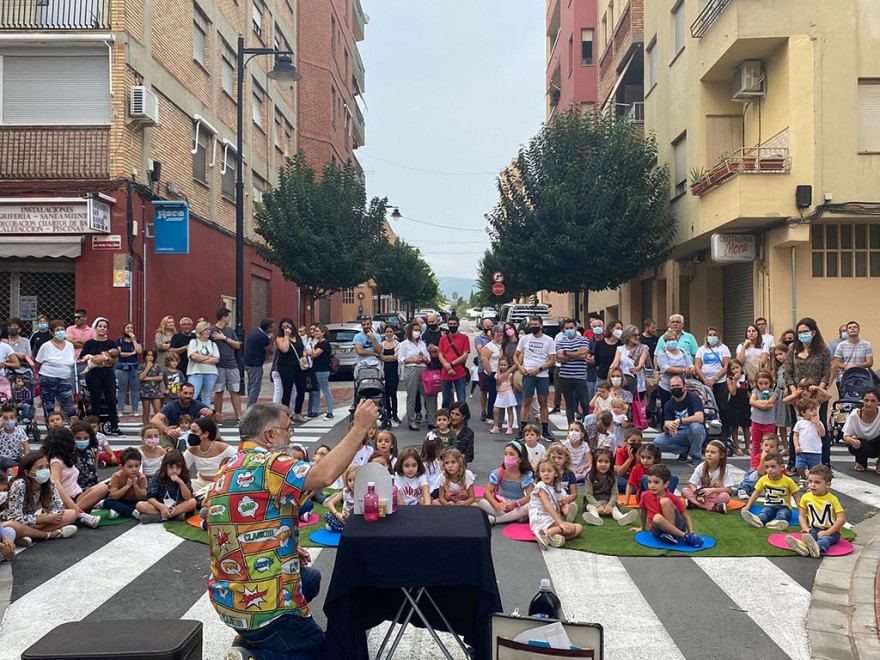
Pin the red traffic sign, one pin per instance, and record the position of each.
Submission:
(498, 289)
(498, 276)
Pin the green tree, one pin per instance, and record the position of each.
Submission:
(514, 276)
(399, 269)
(584, 206)
(320, 232)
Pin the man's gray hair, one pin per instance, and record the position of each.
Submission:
(260, 417)
(678, 316)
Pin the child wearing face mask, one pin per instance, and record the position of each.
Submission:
(35, 510)
(576, 444)
(13, 440)
(151, 453)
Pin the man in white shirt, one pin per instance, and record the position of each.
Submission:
(535, 355)
(854, 352)
(768, 341)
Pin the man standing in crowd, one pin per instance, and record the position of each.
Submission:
(571, 360)
(842, 335)
(683, 430)
(180, 342)
(852, 352)
(431, 336)
(228, 376)
(686, 340)
(767, 339)
(78, 334)
(454, 349)
(483, 338)
(257, 348)
(535, 355)
(649, 335)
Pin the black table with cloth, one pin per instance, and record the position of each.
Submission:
(446, 549)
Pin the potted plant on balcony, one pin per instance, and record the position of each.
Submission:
(726, 166)
(774, 161)
(699, 181)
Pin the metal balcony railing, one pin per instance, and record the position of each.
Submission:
(707, 17)
(748, 160)
(636, 112)
(54, 152)
(587, 61)
(55, 15)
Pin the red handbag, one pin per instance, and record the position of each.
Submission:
(640, 419)
(431, 382)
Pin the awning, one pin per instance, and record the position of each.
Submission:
(37, 247)
(619, 80)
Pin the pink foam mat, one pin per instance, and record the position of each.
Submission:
(310, 519)
(839, 549)
(518, 532)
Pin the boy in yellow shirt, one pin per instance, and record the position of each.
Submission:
(822, 516)
(778, 490)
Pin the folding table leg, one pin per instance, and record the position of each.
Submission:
(390, 630)
(428, 625)
(447, 624)
(404, 624)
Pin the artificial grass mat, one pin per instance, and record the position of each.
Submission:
(184, 530)
(734, 538)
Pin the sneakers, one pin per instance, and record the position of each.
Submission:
(99, 505)
(548, 436)
(554, 411)
(492, 520)
(802, 484)
(23, 541)
(572, 512)
(89, 520)
(112, 515)
(682, 459)
(509, 430)
(742, 494)
(715, 424)
(117, 432)
(136, 514)
(556, 540)
(751, 518)
(542, 539)
(628, 518)
(797, 545)
(483, 416)
(721, 507)
(693, 540)
(149, 518)
(494, 429)
(811, 545)
(592, 519)
(329, 415)
(666, 537)
(67, 531)
(418, 418)
(778, 525)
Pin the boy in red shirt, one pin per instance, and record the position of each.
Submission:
(665, 513)
(627, 457)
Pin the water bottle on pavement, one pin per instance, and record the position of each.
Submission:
(545, 604)
(371, 503)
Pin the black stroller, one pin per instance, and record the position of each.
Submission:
(852, 387)
(369, 383)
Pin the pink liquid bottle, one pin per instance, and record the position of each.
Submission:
(393, 497)
(371, 503)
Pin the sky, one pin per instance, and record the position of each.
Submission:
(455, 88)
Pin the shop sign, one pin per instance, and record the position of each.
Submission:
(27, 308)
(112, 242)
(121, 270)
(172, 227)
(53, 216)
(733, 248)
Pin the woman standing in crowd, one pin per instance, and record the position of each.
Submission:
(752, 353)
(489, 356)
(809, 358)
(321, 356)
(41, 334)
(55, 360)
(414, 356)
(390, 346)
(201, 367)
(127, 369)
(710, 364)
(100, 378)
(19, 344)
(291, 352)
(511, 340)
(672, 361)
(163, 338)
(631, 358)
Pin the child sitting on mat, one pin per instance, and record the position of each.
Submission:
(664, 513)
(169, 493)
(35, 509)
(778, 489)
(455, 485)
(821, 516)
(710, 484)
(506, 497)
(335, 520)
(128, 486)
(600, 493)
(544, 516)
(568, 488)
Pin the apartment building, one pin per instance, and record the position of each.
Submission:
(114, 112)
(768, 116)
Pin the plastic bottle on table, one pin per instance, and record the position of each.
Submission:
(371, 503)
(393, 497)
(545, 604)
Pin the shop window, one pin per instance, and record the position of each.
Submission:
(846, 250)
(348, 296)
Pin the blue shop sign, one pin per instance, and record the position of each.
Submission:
(172, 227)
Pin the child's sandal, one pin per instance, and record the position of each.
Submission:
(861, 468)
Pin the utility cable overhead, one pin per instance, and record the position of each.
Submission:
(433, 224)
(361, 152)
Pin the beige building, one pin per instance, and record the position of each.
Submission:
(753, 103)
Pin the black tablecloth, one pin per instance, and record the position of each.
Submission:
(444, 548)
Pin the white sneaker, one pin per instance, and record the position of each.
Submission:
(778, 525)
(67, 531)
(751, 518)
(557, 540)
(592, 518)
(89, 520)
(628, 518)
(112, 515)
(136, 514)
(742, 494)
(811, 545)
(541, 538)
(797, 545)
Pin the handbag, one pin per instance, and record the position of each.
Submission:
(516, 380)
(303, 360)
(640, 419)
(334, 365)
(431, 382)
(311, 381)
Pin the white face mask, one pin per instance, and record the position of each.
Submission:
(416, 334)
(618, 333)
(3, 495)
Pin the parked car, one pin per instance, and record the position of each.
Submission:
(396, 320)
(341, 338)
(474, 312)
(426, 311)
(489, 313)
(516, 312)
(552, 325)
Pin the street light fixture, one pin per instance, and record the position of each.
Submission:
(285, 74)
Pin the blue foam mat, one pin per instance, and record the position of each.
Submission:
(648, 540)
(794, 521)
(324, 537)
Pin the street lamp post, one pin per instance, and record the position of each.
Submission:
(284, 71)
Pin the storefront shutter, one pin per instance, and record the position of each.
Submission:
(259, 300)
(738, 293)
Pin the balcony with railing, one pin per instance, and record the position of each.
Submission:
(54, 152)
(359, 22)
(748, 160)
(359, 72)
(51, 15)
(707, 18)
(357, 127)
(636, 112)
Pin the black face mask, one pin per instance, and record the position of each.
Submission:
(453, 329)
(535, 331)
(433, 327)
(14, 332)
(193, 440)
(677, 392)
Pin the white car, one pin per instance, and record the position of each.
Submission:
(489, 313)
(474, 312)
(426, 311)
(340, 336)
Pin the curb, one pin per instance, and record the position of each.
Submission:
(842, 619)
(5, 589)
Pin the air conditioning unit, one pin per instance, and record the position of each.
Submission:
(748, 81)
(144, 106)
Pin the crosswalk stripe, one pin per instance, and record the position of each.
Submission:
(72, 594)
(217, 636)
(763, 591)
(606, 594)
(864, 491)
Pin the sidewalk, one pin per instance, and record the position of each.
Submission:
(844, 610)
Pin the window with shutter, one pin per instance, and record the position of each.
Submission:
(228, 70)
(679, 148)
(869, 115)
(200, 168)
(678, 28)
(200, 32)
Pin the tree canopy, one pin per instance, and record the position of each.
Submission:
(399, 269)
(320, 232)
(584, 206)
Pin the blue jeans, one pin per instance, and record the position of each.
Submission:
(460, 390)
(52, 388)
(128, 381)
(203, 384)
(621, 483)
(289, 637)
(323, 380)
(591, 390)
(688, 440)
(825, 542)
(25, 411)
(769, 513)
(748, 482)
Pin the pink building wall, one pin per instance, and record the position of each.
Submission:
(578, 84)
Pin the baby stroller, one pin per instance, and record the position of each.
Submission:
(369, 383)
(853, 384)
(711, 417)
(85, 406)
(28, 374)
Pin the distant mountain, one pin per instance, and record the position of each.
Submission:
(460, 285)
